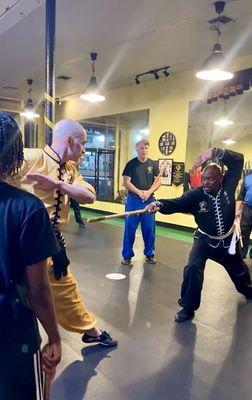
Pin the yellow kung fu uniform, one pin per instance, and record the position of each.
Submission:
(70, 309)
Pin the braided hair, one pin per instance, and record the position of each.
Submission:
(11, 146)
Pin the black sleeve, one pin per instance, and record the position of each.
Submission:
(127, 170)
(37, 240)
(155, 169)
(234, 162)
(242, 193)
(184, 204)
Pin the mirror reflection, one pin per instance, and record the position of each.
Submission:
(110, 144)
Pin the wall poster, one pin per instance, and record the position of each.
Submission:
(165, 168)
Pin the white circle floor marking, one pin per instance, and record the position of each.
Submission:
(115, 277)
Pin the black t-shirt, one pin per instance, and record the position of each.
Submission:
(142, 174)
(26, 238)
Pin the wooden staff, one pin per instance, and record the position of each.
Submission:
(124, 214)
(47, 387)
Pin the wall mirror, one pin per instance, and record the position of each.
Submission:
(110, 144)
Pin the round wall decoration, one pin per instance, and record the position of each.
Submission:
(167, 143)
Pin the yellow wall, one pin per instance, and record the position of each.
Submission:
(167, 100)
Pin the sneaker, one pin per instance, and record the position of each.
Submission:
(82, 224)
(184, 315)
(126, 261)
(151, 260)
(104, 339)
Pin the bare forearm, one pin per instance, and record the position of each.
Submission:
(238, 207)
(78, 193)
(155, 186)
(132, 188)
(41, 302)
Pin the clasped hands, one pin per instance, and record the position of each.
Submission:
(144, 194)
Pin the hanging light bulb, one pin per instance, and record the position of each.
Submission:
(215, 67)
(29, 110)
(91, 93)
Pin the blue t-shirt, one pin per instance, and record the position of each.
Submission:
(246, 190)
(26, 238)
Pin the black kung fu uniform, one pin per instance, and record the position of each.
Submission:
(214, 215)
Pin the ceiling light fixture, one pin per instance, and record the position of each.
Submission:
(29, 110)
(229, 141)
(166, 73)
(223, 122)
(91, 93)
(145, 131)
(215, 67)
(153, 72)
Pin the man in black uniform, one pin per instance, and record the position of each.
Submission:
(213, 207)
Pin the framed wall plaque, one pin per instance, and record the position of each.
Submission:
(165, 168)
(178, 172)
(167, 143)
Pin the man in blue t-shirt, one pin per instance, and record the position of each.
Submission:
(244, 206)
(27, 240)
(141, 178)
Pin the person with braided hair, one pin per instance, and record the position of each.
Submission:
(48, 173)
(25, 292)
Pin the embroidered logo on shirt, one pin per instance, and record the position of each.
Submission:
(203, 207)
(149, 168)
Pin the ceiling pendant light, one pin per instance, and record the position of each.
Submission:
(29, 110)
(91, 93)
(215, 67)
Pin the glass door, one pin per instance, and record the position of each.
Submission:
(98, 169)
(88, 168)
(105, 183)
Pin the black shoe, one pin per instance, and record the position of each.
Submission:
(126, 261)
(184, 315)
(104, 339)
(151, 260)
(82, 224)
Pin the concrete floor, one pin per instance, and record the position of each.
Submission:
(207, 359)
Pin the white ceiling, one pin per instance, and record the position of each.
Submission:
(130, 36)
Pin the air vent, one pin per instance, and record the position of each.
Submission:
(13, 105)
(64, 77)
(9, 88)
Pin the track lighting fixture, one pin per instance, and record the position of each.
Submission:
(215, 67)
(29, 110)
(166, 73)
(91, 93)
(153, 72)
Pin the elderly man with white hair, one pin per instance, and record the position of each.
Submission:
(48, 174)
